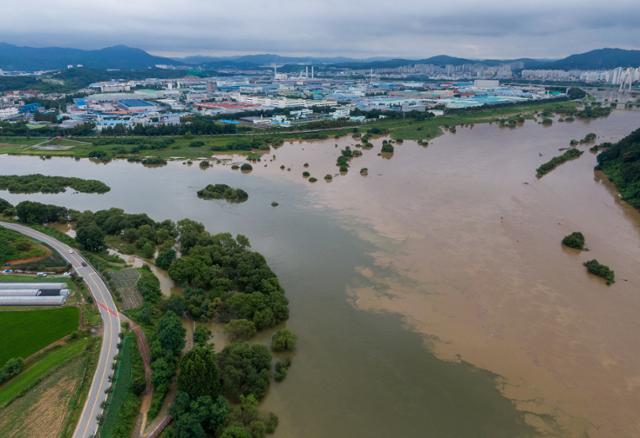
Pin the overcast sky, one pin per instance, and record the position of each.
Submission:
(409, 28)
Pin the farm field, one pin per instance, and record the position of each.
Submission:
(43, 410)
(25, 332)
(34, 373)
(124, 281)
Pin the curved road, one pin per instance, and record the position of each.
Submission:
(88, 423)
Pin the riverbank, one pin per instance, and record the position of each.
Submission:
(195, 147)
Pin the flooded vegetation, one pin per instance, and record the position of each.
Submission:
(433, 290)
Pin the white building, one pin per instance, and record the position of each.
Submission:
(8, 113)
(486, 83)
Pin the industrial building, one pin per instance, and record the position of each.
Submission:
(33, 294)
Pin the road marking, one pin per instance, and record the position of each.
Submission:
(107, 308)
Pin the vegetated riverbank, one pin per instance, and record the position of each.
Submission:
(189, 146)
(621, 163)
(38, 183)
(222, 280)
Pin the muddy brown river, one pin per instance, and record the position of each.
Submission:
(432, 297)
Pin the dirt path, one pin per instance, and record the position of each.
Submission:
(47, 253)
(164, 419)
(145, 353)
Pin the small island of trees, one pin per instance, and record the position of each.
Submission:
(38, 183)
(387, 148)
(603, 271)
(223, 191)
(574, 240)
(569, 154)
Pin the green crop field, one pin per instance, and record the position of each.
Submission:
(26, 332)
(34, 373)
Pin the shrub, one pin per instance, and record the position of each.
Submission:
(240, 329)
(574, 240)
(283, 340)
(387, 148)
(596, 268)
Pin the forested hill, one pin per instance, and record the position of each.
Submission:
(49, 58)
(621, 163)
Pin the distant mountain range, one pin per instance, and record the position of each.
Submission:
(50, 58)
(127, 58)
(595, 59)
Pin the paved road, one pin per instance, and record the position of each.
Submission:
(88, 423)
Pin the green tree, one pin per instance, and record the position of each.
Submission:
(199, 374)
(170, 333)
(165, 258)
(283, 340)
(574, 240)
(11, 368)
(245, 370)
(202, 415)
(240, 329)
(201, 334)
(90, 237)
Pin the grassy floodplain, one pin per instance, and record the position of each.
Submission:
(26, 332)
(185, 147)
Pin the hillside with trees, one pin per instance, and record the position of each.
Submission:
(621, 163)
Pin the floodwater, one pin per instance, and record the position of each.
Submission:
(431, 297)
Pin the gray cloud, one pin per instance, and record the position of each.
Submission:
(416, 28)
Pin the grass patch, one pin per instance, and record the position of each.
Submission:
(123, 405)
(56, 234)
(26, 332)
(23, 278)
(15, 246)
(77, 401)
(33, 374)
